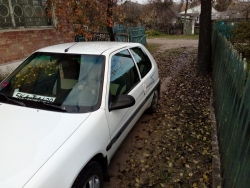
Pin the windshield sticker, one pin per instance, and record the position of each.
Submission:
(32, 97)
(4, 84)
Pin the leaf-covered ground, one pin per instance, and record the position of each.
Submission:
(174, 147)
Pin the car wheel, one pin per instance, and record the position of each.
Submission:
(154, 102)
(90, 177)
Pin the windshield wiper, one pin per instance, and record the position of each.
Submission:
(55, 106)
(12, 100)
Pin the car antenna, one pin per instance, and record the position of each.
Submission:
(67, 49)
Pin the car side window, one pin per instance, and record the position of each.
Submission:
(142, 60)
(124, 75)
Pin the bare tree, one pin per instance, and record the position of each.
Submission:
(159, 12)
(110, 20)
(222, 5)
(85, 17)
(133, 12)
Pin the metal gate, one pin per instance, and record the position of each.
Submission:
(121, 34)
(137, 34)
(131, 34)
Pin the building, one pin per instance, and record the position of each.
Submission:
(25, 27)
(193, 15)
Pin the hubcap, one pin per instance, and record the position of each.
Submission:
(93, 182)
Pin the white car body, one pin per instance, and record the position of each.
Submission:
(47, 149)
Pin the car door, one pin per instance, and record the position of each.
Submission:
(145, 67)
(124, 78)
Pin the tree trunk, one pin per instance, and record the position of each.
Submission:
(111, 33)
(205, 39)
(110, 19)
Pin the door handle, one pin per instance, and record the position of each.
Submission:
(144, 87)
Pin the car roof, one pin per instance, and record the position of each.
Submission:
(96, 48)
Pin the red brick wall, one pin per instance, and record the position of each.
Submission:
(16, 45)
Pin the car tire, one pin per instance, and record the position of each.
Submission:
(91, 176)
(153, 106)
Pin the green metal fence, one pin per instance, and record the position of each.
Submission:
(225, 28)
(231, 91)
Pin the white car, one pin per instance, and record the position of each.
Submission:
(66, 109)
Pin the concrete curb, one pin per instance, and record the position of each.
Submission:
(216, 163)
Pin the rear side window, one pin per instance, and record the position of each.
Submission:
(124, 75)
(142, 60)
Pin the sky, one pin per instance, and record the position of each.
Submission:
(140, 1)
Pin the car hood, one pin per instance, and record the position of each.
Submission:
(29, 137)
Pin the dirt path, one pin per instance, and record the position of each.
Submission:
(145, 138)
(173, 43)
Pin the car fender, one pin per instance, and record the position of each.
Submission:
(62, 168)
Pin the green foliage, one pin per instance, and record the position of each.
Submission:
(241, 37)
(151, 33)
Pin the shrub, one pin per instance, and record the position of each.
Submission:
(241, 37)
(152, 33)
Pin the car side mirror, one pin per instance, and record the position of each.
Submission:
(122, 101)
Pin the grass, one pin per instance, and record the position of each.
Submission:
(194, 37)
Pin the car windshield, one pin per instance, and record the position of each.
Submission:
(71, 82)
